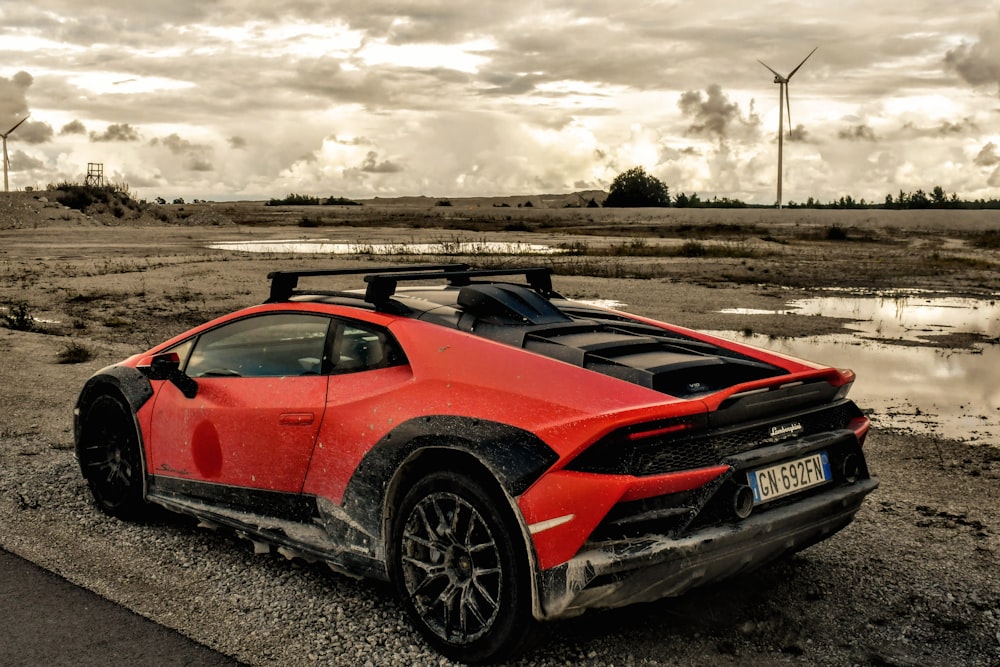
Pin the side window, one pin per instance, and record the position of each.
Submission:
(357, 348)
(262, 346)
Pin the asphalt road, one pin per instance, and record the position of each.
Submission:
(45, 620)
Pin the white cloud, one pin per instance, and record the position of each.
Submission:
(454, 98)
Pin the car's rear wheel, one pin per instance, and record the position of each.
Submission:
(460, 569)
(110, 458)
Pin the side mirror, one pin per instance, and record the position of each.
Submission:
(164, 366)
(167, 366)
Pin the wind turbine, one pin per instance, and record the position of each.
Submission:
(6, 160)
(783, 103)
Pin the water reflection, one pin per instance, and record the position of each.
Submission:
(948, 392)
(911, 317)
(603, 303)
(951, 393)
(329, 247)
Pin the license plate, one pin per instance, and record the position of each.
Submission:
(789, 477)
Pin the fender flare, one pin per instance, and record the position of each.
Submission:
(127, 382)
(515, 457)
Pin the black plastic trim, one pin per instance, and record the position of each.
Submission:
(703, 443)
(516, 457)
(131, 384)
(279, 504)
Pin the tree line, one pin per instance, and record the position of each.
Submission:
(294, 199)
(636, 188)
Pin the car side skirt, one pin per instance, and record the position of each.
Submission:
(277, 504)
(298, 526)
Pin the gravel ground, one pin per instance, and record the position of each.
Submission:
(915, 580)
(912, 582)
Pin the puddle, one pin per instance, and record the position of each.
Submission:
(906, 317)
(331, 247)
(945, 392)
(948, 392)
(603, 303)
(953, 393)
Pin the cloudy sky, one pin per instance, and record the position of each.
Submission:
(250, 99)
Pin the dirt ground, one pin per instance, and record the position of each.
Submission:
(914, 581)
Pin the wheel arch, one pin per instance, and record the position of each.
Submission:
(134, 387)
(432, 457)
(509, 458)
(124, 383)
(513, 457)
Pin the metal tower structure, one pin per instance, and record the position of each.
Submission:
(95, 174)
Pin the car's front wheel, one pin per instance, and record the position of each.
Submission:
(110, 458)
(460, 569)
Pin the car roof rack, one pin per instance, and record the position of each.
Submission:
(381, 286)
(283, 283)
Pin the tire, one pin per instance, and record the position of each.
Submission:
(459, 565)
(111, 460)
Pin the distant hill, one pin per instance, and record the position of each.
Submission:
(571, 200)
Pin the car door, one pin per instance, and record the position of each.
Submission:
(261, 398)
(368, 367)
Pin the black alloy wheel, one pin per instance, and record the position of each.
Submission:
(110, 458)
(460, 569)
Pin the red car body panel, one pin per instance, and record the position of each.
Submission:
(250, 432)
(358, 414)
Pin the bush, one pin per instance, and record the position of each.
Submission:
(115, 198)
(988, 240)
(80, 197)
(836, 233)
(340, 201)
(19, 318)
(693, 249)
(75, 353)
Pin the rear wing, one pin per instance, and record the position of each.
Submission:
(382, 282)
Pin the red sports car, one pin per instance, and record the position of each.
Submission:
(503, 455)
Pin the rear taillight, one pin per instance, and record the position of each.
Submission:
(860, 426)
(657, 432)
(647, 448)
(843, 390)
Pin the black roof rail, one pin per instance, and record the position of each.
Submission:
(283, 283)
(381, 286)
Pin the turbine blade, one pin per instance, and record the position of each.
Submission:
(16, 125)
(770, 68)
(792, 73)
(788, 108)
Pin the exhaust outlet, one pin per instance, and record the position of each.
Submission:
(850, 468)
(743, 501)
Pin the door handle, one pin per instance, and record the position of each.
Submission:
(296, 419)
